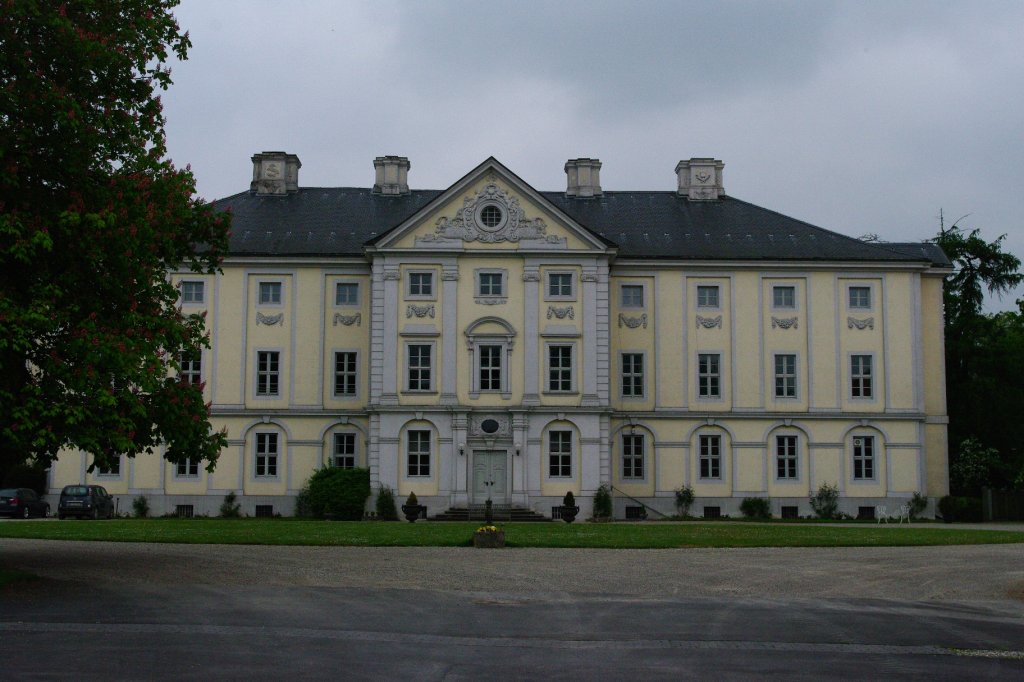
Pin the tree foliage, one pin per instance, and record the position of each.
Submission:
(984, 363)
(92, 218)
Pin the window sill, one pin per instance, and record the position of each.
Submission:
(557, 394)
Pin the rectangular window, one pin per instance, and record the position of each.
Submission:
(860, 376)
(188, 469)
(191, 364)
(784, 297)
(560, 369)
(560, 285)
(345, 373)
(491, 284)
(633, 375)
(418, 454)
(709, 376)
(632, 296)
(421, 284)
(710, 456)
(346, 293)
(266, 454)
(268, 367)
(864, 457)
(860, 297)
(270, 293)
(344, 450)
(785, 457)
(112, 469)
(419, 367)
(192, 292)
(490, 367)
(559, 454)
(632, 456)
(707, 296)
(785, 376)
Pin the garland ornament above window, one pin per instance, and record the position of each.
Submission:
(419, 310)
(561, 313)
(866, 323)
(784, 322)
(348, 320)
(709, 322)
(270, 320)
(633, 322)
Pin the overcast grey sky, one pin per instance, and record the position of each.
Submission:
(860, 117)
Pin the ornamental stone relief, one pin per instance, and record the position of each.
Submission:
(709, 322)
(476, 421)
(491, 215)
(419, 310)
(854, 323)
(561, 313)
(270, 320)
(633, 322)
(490, 301)
(348, 320)
(784, 322)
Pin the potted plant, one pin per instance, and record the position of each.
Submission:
(412, 508)
(489, 536)
(569, 508)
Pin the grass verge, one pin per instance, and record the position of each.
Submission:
(594, 535)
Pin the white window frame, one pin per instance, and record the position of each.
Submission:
(552, 453)
(711, 455)
(632, 286)
(410, 274)
(783, 305)
(275, 374)
(419, 453)
(114, 472)
(861, 377)
(184, 470)
(271, 456)
(270, 284)
(787, 457)
(789, 379)
(548, 296)
(190, 366)
(338, 289)
(354, 374)
(431, 374)
(716, 288)
(632, 375)
(864, 451)
(336, 439)
(629, 454)
(850, 288)
(496, 353)
(550, 370)
(502, 275)
(716, 377)
(189, 288)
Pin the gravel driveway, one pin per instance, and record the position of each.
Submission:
(959, 573)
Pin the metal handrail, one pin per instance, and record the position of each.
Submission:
(646, 508)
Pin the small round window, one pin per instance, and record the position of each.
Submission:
(489, 425)
(490, 216)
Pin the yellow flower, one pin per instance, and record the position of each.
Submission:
(487, 529)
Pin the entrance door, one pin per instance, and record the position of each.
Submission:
(490, 467)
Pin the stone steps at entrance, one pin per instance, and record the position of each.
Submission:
(499, 512)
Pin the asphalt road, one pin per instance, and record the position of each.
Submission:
(110, 611)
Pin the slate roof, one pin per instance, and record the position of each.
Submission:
(340, 221)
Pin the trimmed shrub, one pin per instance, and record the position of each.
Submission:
(140, 507)
(918, 503)
(684, 500)
(338, 493)
(825, 502)
(603, 504)
(230, 508)
(386, 510)
(569, 500)
(26, 476)
(756, 507)
(412, 500)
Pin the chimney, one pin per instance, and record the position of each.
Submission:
(700, 179)
(392, 175)
(583, 177)
(275, 173)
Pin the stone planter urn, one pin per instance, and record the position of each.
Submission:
(412, 508)
(489, 537)
(569, 508)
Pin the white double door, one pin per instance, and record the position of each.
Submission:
(490, 476)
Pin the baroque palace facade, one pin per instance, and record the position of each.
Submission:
(492, 340)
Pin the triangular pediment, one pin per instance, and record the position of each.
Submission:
(491, 208)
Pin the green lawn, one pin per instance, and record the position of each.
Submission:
(400, 534)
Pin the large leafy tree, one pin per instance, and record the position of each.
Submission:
(93, 216)
(984, 360)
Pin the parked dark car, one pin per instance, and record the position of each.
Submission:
(85, 501)
(22, 503)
